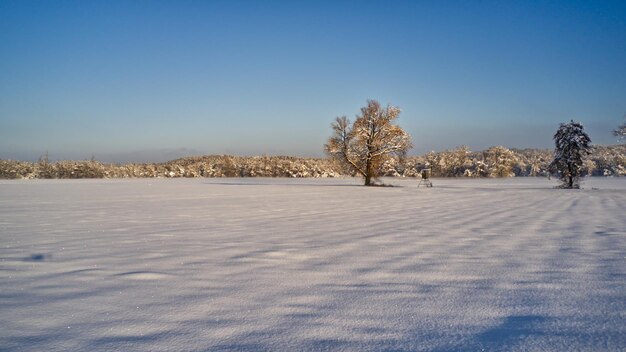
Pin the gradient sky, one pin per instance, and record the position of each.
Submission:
(147, 80)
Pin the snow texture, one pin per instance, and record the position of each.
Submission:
(312, 264)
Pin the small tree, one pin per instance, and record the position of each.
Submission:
(372, 139)
(45, 169)
(572, 143)
(621, 130)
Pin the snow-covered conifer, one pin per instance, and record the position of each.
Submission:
(571, 145)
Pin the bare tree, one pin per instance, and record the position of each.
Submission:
(45, 167)
(371, 140)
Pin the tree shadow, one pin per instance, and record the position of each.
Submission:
(282, 184)
(510, 330)
(37, 257)
(126, 340)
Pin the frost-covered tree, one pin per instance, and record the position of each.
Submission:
(451, 163)
(372, 139)
(432, 161)
(621, 130)
(500, 161)
(45, 167)
(571, 145)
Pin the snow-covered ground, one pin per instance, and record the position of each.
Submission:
(312, 264)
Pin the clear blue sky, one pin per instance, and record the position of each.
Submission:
(144, 79)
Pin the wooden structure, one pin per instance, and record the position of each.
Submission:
(425, 178)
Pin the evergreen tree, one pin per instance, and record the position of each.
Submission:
(572, 144)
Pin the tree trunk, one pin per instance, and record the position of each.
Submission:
(571, 178)
(368, 172)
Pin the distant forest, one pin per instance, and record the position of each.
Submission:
(460, 162)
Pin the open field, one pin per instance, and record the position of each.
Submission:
(312, 264)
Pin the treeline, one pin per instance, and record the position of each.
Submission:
(459, 162)
(499, 161)
(204, 166)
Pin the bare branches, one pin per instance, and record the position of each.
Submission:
(340, 144)
(370, 141)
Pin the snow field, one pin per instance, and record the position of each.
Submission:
(312, 264)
